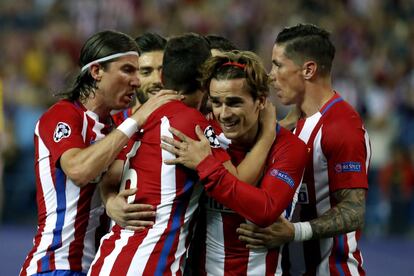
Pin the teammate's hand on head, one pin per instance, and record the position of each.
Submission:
(272, 236)
(267, 119)
(131, 216)
(189, 152)
(162, 97)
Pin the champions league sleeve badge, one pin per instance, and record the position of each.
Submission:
(62, 130)
(212, 137)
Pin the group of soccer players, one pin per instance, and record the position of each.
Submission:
(227, 193)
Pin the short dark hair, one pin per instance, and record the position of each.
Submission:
(99, 45)
(307, 41)
(150, 42)
(220, 43)
(237, 65)
(183, 57)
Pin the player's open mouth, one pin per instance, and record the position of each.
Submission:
(228, 125)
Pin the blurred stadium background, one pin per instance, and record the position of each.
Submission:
(373, 70)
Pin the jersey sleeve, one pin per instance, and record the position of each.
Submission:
(188, 128)
(264, 204)
(346, 148)
(60, 129)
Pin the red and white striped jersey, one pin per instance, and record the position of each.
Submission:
(121, 116)
(161, 249)
(222, 253)
(340, 158)
(68, 216)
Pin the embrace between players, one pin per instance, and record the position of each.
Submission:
(168, 172)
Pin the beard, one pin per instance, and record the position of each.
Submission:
(142, 97)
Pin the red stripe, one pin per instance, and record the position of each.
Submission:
(272, 258)
(106, 248)
(124, 259)
(357, 254)
(236, 254)
(81, 223)
(153, 260)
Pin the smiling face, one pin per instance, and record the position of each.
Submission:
(117, 83)
(149, 73)
(235, 109)
(286, 77)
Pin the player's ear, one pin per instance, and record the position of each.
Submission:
(96, 71)
(262, 102)
(309, 69)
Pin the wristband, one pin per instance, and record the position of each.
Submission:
(128, 127)
(303, 231)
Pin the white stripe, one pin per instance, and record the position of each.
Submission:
(215, 253)
(296, 253)
(163, 214)
(109, 260)
(84, 127)
(68, 227)
(308, 127)
(323, 204)
(49, 194)
(96, 211)
(182, 246)
(368, 147)
(97, 127)
(256, 264)
(352, 263)
(320, 175)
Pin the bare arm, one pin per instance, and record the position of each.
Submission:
(345, 217)
(191, 152)
(84, 165)
(251, 168)
(132, 216)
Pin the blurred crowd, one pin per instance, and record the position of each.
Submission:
(373, 70)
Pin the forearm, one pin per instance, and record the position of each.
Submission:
(251, 168)
(109, 186)
(345, 217)
(260, 206)
(84, 165)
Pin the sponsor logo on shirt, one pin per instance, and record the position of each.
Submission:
(212, 137)
(62, 130)
(212, 205)
(282, 176)
(348, 167)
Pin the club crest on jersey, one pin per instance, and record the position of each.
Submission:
(62, 130)
(283, 176)
(212, 137)
(348, 167)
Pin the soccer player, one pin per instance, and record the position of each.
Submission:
(73, 148)
(219, 44)
(237, 85)
(151, 50)
(331, 206)
(171, 189)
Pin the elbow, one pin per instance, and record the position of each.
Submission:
(79, 175)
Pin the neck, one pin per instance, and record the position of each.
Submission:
(94, 104)
(248, 139)
(316, 94)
